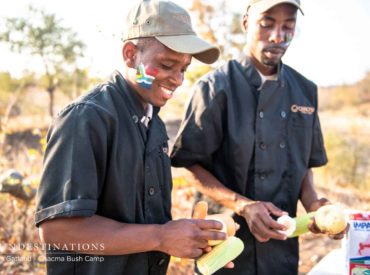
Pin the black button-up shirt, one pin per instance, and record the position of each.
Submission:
(258, 141)
(100, 159)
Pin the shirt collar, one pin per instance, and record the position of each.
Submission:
(254, 76)
(273, 77)
(148, 116)
(133, 98)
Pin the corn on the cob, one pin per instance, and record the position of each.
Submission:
(331, 219)
(200, 210)
(228, 226)
(328, 218)
(289, 223)
(220, 255)
(302, 223)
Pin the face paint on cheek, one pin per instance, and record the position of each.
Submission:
(145, 76)
(288, 37)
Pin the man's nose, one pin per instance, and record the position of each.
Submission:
(177, 78)
(277, 36)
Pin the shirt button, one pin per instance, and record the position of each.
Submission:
(151, 191)
(161, 261)
(263, 146)
(262, 176)
(67, 207)
(283, 114)
(135, 118)
(261, 114)
(282, 145)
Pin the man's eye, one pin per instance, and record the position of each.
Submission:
(265, 24)
(289, 27)
(166, 67)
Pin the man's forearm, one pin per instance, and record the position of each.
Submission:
(209, 185)
(85, 234)
(308, 194)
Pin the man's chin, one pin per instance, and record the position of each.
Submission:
(271, 63)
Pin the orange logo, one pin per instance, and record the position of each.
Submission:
(303, 109)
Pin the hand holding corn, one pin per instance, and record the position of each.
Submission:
(329, 219)
(187, 238)
(223, 252)
(258, 216)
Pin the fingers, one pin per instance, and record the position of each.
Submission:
(263, 231)
(272, 224)
(312, 226)
(209, 230)
(340, 235)
(260, 222)
(318, 203)
(209, 224)
(316, 230)
(207, 249)
(337, 236)
(229, 265)
(274, 210)
(196, 253)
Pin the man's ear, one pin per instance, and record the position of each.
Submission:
(245, 23)
(129, 54)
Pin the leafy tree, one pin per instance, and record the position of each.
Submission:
(41, 34)
(11, 90)
(220, 25)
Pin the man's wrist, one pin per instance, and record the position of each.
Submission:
(240, 203)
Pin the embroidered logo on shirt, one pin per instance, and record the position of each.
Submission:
(303, 109)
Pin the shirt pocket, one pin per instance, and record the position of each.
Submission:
(299, 120)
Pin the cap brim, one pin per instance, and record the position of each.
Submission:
(263, 6)
(191, 44)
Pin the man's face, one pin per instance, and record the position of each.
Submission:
(269, 35)
(169, 66)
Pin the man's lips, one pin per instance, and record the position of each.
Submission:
(274, 50)
(167, 92)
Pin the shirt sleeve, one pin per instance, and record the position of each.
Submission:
(318, 154)
(201, 131)
(74, 164)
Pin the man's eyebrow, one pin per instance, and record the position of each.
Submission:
(174, 60)
(267, 17)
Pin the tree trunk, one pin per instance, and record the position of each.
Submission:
(51, 91)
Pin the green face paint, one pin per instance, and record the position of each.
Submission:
(288, 37)
(145, 76)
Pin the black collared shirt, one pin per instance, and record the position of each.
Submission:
(257, 143)
(100, 159)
